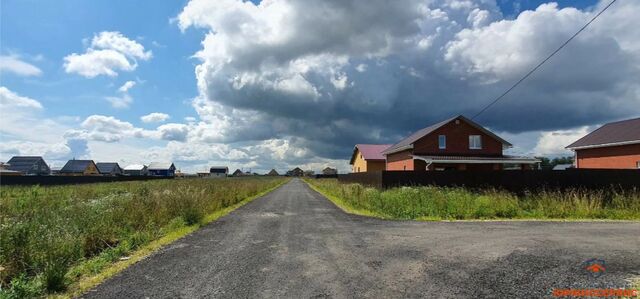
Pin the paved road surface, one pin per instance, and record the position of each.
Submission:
(293, 243)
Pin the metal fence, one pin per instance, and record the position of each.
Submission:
(71, 180)
(516, 181)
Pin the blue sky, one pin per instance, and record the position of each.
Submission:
(56, 29)
(297, 82)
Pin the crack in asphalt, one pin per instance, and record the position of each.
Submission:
(294, 243)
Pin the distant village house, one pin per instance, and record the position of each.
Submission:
(80, 167)
(109, 168)
(297, 172)
(329, 171)
(136, 170)
(27, 165)
(273, 172)
(162, 169)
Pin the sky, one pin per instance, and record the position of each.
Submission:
(285, 83)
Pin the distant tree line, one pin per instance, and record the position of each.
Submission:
(546, 163)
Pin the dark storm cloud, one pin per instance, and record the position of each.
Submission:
(328, 74)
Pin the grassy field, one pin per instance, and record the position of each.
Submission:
(52, 239)
(437, 203)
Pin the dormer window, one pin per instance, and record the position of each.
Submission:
(442, 141)
(475, 142)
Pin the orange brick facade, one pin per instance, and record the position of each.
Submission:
(614, 157)
(400, 161)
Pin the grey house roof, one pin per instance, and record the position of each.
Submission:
(160, 166)
(76, 166)
(23, 163)
(611, 134)
(108, 167)
(135, 167)
(408, 142)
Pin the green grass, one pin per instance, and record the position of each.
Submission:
(438, 203)
(65, 239)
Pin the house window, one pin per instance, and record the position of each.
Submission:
(442, 141)
(638, 164)
(475, 142)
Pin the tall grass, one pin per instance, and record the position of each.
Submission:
(459, 203)
(44, 231)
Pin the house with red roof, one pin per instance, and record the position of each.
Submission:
(457, 143)
(368, 157)
(615, 145)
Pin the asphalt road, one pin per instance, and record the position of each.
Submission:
(294, 243)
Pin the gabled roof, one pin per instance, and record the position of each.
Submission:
(273, 172)
(219, 167)
(76, 166)
(23, 163)
(160, 166)
(611, 134)
(369, 151)
(407, 143)
(107, 167)
(237, 172)
(135, 167)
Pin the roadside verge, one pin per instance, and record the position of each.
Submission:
(458, 204)
(85, 283)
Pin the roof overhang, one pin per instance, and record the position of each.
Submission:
(478, 160)
(573, 148)
(397, 150)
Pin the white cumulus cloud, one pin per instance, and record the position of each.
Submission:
(154, 117)
(14, 65)
(9, 100)
(108, 53)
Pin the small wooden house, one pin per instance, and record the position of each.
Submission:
(109, 168)
(28, 165)
(237, 173)
(80, 167)
(273, 172)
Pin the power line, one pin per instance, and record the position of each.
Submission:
(542, 62)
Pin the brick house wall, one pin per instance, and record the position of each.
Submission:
(457, 142)
(400, 161)
(619, 157)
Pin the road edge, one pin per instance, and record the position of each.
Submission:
(347, 208)
(85, 284)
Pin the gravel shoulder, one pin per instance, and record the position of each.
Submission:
(294, 243)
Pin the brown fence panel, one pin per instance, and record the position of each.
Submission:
(71, 180)
(516, 181)
(371, 179)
